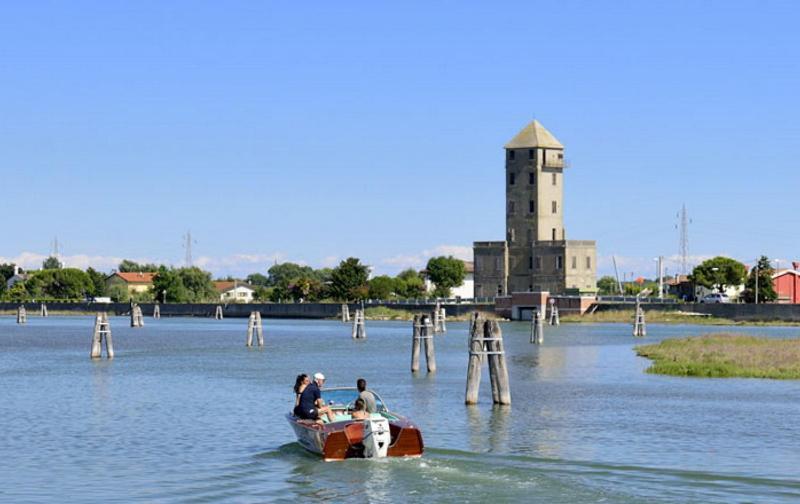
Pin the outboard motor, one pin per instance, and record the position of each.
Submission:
(376, 438)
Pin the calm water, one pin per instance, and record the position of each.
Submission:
(186, 413)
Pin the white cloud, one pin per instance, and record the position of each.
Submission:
(419, 260)
(330, 261)
(33, 260)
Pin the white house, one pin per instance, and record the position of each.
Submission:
(463, 291)
(234, 292)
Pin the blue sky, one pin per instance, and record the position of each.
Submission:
(312, 133)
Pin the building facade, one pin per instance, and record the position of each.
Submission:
(135, 282)
(787, 284)
(535, 255)
(234, 291)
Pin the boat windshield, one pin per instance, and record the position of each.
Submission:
(342, 397)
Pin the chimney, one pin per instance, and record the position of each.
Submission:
(795, 265)
(16, 270)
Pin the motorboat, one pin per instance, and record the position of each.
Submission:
(383, 434)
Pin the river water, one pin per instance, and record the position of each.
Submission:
(186, 413)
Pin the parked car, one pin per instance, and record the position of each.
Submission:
(715, 298)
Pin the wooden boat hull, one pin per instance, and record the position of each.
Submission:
(342, 440)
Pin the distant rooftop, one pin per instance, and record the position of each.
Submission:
(534, 135)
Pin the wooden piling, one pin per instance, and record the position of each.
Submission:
(415, 343)
(437, 312)
(476, 351)
(537, 327)
(101, 334)
(43, 310)
(359, 326)
(426, 334)
(22, 315)
(137, 319)
(554, 319)
(498, 371)
(157, 311)
(254, 327)
(218, 313)
(639, 324)
(345, 313)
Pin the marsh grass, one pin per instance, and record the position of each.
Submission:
(725, 356)
(664, 317)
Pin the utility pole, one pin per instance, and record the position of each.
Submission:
(684, 221)
(756, 281)
(616, 273)
(187, 244)
(661, 277)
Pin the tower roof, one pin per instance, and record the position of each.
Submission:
(534, 135)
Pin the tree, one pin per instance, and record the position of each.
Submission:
(118, 293)
(349, 280)
(766, 291)
(719, 273)
(168, 286)
(410, 284)
(51, 263)
(257, 280)
(382, 287)
(607, 285)
(445, 273)
(198, 285)
(17, 294)
(98, 282)
(6, 271)
(67, 283)
(286, 272)
(128, 266)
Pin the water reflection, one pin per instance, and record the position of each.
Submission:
(488, 431)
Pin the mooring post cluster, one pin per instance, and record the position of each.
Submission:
(439, 322)
(345, 313)
(422, 335)
(218, 313)
(22, 315)
(553, 313)
(157, 311)
(254, 327)
(101, 335)
(43, 310)
(486, 339)
(137, 319)
(537, 327)
(359, 325)
(639, 324)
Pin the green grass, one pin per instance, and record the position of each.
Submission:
(725, 356)
(663, 317)
(384, 313)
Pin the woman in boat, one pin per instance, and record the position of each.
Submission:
(360, 410)
(300, 385)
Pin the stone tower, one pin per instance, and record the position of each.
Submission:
(535, 256)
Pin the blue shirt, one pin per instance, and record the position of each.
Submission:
(308, 401)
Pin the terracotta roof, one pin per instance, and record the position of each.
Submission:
(534, 135)
(225, 286)
(137, 278)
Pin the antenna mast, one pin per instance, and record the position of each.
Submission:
(684, 240)
(187, 244)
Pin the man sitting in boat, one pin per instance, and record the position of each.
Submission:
(360, 410)
(366, 395)
(311, 405)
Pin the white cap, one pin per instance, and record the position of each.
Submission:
(319, 376)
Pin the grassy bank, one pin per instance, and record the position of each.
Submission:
(663, 317)
(725, 356)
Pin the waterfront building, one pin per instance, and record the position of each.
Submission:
(234, 291)
(135, 282)
(536, 255)
(787, 284)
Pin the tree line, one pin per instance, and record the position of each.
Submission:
(349, 281)
(718, 274)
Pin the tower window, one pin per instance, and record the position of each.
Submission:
(531, 178)
(511, 208)
(574, 262)
(555, 207)
(529, 236)
(531, 206)
(511, 235)
(555, 179)
(588, 263)
(554, 234)
(530, 263)
(538, 263)
(559, 262)
(511, 155)
(511, 179)
(531, 153)
(560, 155)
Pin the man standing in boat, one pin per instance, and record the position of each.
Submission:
(311, 405)
(366, 395)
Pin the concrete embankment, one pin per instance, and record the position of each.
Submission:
(267, 310)
(731, 311)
